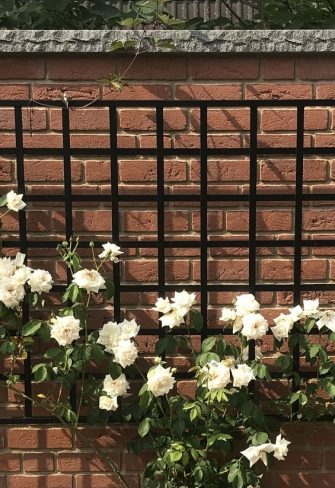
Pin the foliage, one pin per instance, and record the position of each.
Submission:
(219, 435)
(106, 14)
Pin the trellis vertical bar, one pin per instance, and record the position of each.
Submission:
(23, 246)
(203, 216)
(160, 203)
(298, 224)
(68, 206)
(253, 209)
(115, 206)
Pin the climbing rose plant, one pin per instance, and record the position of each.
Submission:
(218, 435)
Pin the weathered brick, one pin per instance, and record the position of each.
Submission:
(203, 67)
(278, 91)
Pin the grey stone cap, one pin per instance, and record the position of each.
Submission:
(214, 41)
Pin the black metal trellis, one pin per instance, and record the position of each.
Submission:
(161, 244)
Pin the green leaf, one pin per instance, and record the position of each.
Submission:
(31, 327)
(3, 332)
(110, 288)
(40, 372)
(144, 428)
(3, 310)
(3, 200)
(197, 321)
(71, 293)
(314, 350)
(175, 456)
(208, 344)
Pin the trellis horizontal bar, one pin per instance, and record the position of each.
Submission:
(40, 244)
(244, 151)
(169, 103)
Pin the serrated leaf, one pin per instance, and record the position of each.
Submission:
(208, 344)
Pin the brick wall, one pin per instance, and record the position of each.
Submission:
(170, 77)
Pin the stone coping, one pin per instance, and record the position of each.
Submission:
(187, 41)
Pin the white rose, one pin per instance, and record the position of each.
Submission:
(89, 280)
(256, 453)
(162, 305)
(311, 308)
(242, 375)
(228, 314)
(296, 313)
(117, 387)
(245, 304)
(108, 403)
(125, 353)
(238, 324)
(11, 292)
(40, 281)
(14, 201)
(6, 267)
(129, 329)
(111, 251)
(160, 380)
(109, 335)
(65, 330)
(22, 275)
(217, 375)
(183, 301)
(254, 326)
(172, 319)
(284, 324)
(280, 448)
(327, 320)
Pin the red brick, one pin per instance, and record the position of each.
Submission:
(278, 68)
(136, 462)
(56, 91)
(230, 119)
(145, 221)
(214, 221)
(95, 141)
(277, 170)
(39, 438)
(50, 170)
(222, 170)
(299, 480)
(38, 220)
(325, 90)
(143, 120)
(88, 119)
(267, 220)
(316, 68)
(22, 68)
(278, 140)
(14, 92)
(282, 270)
(113, 436)
(278, 91)
(316, 220)
(139, 92)
(129, 171)
(10, 462)
(209, 92)
(147, 270)
(38, 461)
(284, 120)
(145, 68)
(77, 462)
(6, 170)
(39, 481)
(223, 270)
(105, 481)
(33, 119)
(204, 67)
(85, 220)
(214, 141)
